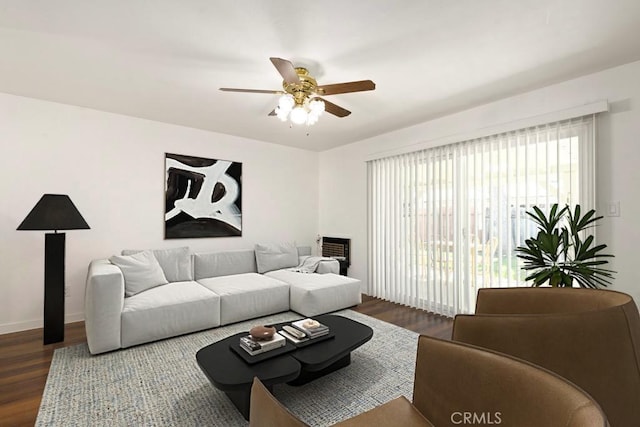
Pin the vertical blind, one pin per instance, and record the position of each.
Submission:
(445, 221)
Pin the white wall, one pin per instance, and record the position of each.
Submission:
(112, 167)
(343, 170)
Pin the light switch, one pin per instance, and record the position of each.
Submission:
(613, 209)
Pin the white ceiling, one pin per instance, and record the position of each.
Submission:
(165, 59)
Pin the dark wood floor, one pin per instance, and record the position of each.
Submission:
(25, 361)
(410, 318)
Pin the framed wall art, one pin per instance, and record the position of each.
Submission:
(203, 197)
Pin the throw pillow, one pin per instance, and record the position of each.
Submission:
(276, 256)
(141, 271)
(175, 262)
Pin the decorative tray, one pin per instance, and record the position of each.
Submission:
(305, 342)
(287, 348)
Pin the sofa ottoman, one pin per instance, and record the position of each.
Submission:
(168, 310)
(248, 295)
(311, 293)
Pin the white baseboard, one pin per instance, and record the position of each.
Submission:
(7, 328)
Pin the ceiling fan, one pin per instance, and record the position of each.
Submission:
(301, 100)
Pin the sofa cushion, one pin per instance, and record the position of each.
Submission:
(312, 294)
(141, 271)
(276, 256)
(214, 264)
(248, 295)
(175, 262)
(169, 310)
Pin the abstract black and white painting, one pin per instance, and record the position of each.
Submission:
(203, 197)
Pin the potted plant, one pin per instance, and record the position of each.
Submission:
(558, 255)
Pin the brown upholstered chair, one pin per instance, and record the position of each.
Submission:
(457, 383)
(266, 411)
(591, 337)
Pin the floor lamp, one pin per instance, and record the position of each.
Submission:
(54, 212)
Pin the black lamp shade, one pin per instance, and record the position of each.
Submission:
(54, 212)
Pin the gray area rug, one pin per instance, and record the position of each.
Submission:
(160, 384)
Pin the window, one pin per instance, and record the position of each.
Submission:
(445, 221)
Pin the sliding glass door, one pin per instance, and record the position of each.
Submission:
(445, 221)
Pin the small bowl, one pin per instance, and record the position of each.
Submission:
(262, 333)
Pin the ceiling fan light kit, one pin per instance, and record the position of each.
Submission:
(300, 102)
(306, 112)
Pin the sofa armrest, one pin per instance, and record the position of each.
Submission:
(103, 304)
(325, 267)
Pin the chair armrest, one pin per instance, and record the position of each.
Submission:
(455, 381)
(103, 304)
(266, 411)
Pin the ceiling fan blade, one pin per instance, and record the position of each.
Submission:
(334, 109)
(229, 89)
(286, 70)
(358, 86)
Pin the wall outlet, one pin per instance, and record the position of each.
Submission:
(67, 292)
(613, 208)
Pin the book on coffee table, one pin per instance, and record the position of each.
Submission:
(305, 341)
(292, 338)
(312, 332)
(254, 347)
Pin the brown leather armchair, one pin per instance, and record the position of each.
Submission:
(591, 337)
(457, 384)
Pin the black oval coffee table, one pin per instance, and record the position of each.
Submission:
(228, 372)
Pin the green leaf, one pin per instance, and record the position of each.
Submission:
(558, 255)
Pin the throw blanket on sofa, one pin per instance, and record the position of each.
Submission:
(309, 264)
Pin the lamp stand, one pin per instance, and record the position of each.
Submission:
(54, 287)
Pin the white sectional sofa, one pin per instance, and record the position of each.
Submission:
(145, 296)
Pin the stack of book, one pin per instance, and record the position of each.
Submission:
(254, 347)
(311, 328)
